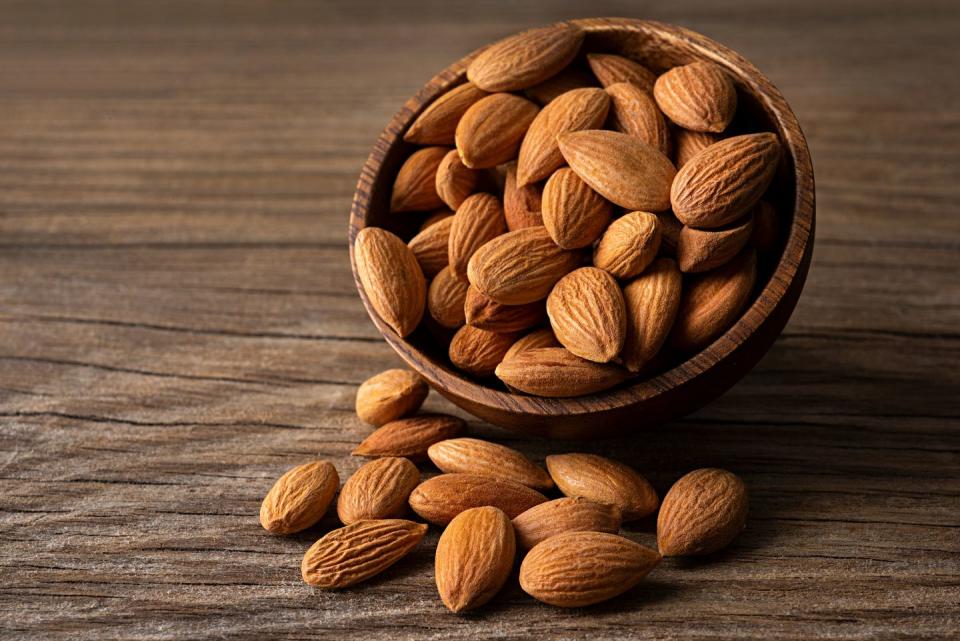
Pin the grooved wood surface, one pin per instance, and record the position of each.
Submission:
(178, 326)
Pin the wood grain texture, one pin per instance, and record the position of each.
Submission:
(179, 326)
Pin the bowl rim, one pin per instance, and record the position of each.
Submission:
(451, 383)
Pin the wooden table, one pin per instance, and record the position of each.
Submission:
(178, 325)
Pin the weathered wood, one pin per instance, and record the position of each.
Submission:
(179, 325)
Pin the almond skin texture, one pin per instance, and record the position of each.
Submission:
(378, 490)
(629, 245)
(474, 558)
(573, 213)
(576, 569)
(520, 266)
(540, 338)
(390, 395)
(445, 299)
(559, 84)
(391, 278)
(604, 481)
(569, 514)
(623, 169)
(359, 551)
(555, 372)
(431, 247)
(443, 497)
(483, 312)
(525, 59)
(722, 182)
(700, 250)
(489, 134)
(687, 144)
(588, 315)
(611, 69)
(410, 437)
(438, 122)
(573, 111)
(699, 96)
(702, 513)
(652, 300)
(483, 458)
(299, 498)
(634, 112)
(478, 220)
(766, 228)
(712, 302)
(455, 181)
(477, 351)
(521, 205)
(415, 188)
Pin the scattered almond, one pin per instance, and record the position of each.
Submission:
(521, 205)
(629, 245)
(478, 220)
(299, 498)
(445, 299)
(441, 498)
(559, 84)
(611, 69)
(540, 338)
(573, 213)
(687, 144)
(455, 181)
(702, 513)
(569, 514)
(652, 300)
(491, 131)
(438, 122)
(525, 59)
(378, 490)
(483, 312)
(604, 481)
(390, 395)
(391, 278)
(478, 351)
(410, 437)
(415, 188)
(634, 112)
(483, 458)
(698, 96)
(700, 250)
(588, 315)
(430, 247)
(555, 372)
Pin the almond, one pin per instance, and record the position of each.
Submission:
(525, 59)
(611, 69)
(621, 168)
(490, 132)
(699, 96)
(483, 458)
(435, 217)
(555, 372)
(700, 250)
(669, 233)
(299, 498)
(430, 247)
(477, 351)
(478, 220)
(652, 300)
(723, 181)
(390, 395)
(576, 569)
(573, 111)
(702, 513)
(558, 84)
(629, 245)
(687, 144)
(455, 181)
(633, 112)
(410, 437)
(573, 213)
(588, 315)
(483, 312)
(520, 266)
(766, 228)
(415, 188)
(540, 338)
(391, 278)
(569, 514)
(604, 481)
(359, 551)
(712, 301)
(521, 205)
(443, 497)
(438, 122)
(378, 490)
(474, 558)
(445, 299)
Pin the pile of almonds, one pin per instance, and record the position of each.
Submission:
(574, 235)
(491, 503)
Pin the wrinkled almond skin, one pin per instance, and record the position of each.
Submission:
(604, 481)
(415, 188)
(489, 134)
(391, 278)
(577, 569)
(569, 514)
(521, 205)
(573, 213)
(390, 395)
(438, 122)
(525, 59)
(478, 220)
(623, 169)
(722, 182)
(588, 315)
(445, 299)
(556, 373)
(455, 181)
(559, 84)
(629, 245)
(700, 250)
(766, 228)
(483, 458)
(699, 96)
(378, 490)
(410, 437)
(520, 266)
(611, 69)
(477, 351)
(573, 111)
(443, 497)
(474, 558)
(539, 338)
(687, 144)
(359, 551)
(652, 300)
(431, 247)
(299, 498)
(483, 312)
(712, 302)
(703, 512)
(634, 112)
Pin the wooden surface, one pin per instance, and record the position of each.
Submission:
(178, 326)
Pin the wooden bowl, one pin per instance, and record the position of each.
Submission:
(688, 385)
